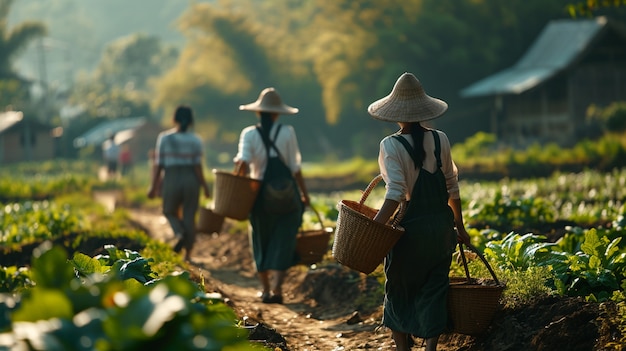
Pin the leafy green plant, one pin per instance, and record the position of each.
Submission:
(35, 220)
(518, 252)
(125, 263)
(594, 272)
(505, 212)
(105, 308)
(14, 279)
(476, 145)
(571, 241)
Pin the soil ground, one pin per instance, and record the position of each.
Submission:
(324, 307)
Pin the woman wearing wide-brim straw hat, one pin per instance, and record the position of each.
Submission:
(273, 235)
(417, 166)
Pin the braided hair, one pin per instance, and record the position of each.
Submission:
(266, 125)
(184, 117)
(417, 133)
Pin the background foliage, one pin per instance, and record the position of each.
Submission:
(330, 59)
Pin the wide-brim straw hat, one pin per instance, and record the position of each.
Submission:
(407, 102)
(269, 101)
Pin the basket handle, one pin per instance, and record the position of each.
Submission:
(482, 258)
(319, 218)
(369, 188)
(399, 215)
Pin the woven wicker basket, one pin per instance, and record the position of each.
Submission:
(473, 303)
(312, 245)
(208, 221)
(360, 242)
(234, 194)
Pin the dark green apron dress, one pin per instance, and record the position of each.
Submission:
(418, 265)
(273, 237)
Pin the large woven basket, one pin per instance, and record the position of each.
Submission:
(312, 245)
(360, 242)
(473, 303)
(234, 194)
(208, 221)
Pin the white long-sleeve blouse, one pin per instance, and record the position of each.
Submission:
(399, 173)
(252, 150)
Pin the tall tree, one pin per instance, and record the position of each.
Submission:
(218, 67)
(13, 90)
(13, 40)
(338, 56)
(133, 60)
(120, 86)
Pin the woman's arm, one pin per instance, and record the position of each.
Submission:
(242, 168)
(303, 191)
(200, 175)
(155, 186)
(462, 235)
(386, 211)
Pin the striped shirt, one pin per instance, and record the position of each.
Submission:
(178, 149)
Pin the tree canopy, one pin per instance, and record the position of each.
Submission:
(13, 40)
(332, 59)
(329, 58)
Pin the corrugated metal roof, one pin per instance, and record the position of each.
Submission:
(121, 127)
(558, 45)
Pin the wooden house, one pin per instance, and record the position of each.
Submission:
(544, 97)
(24, 139)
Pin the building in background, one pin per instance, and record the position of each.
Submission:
(25, 139)
(572, 65)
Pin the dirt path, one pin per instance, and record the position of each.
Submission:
(306, 324)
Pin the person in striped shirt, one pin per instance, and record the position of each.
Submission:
(178, 173)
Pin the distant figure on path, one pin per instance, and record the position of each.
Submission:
(179, 176)
(126, 159)
(111, 154)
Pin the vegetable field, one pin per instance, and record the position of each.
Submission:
(120, 289)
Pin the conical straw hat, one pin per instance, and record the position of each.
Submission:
(407, 102)
(269, 101)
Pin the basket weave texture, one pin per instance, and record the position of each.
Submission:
(209, 221)
(234, 195)
(312, 245)
(473, 304)
(360, 242)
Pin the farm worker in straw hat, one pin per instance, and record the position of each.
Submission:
(178, 164)
(416, 166)
(269, 151)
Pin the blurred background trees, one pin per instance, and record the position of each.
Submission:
(13, 40)
(330, 59)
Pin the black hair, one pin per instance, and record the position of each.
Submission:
(184, 117)
(417, 133)
(266, 125)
